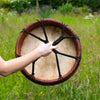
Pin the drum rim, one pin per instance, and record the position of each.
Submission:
(72, 70)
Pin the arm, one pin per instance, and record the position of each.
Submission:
(14, 65)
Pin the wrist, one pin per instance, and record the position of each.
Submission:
(37, 52)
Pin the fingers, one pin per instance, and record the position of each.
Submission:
(51, 46)
(46, 49)
(50, 43)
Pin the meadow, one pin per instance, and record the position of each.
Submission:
(83, 85)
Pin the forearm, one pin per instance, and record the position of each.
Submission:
(14, 65)
(17, 64)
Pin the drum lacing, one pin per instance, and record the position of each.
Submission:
(54, 43)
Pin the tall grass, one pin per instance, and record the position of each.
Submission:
(83, 85)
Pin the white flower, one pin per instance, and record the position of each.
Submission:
(1, 14)
(9, 13)
(90, 15)
(2, 9)
(6, 19)
(12, 13)
(11, 1)
(86, 17)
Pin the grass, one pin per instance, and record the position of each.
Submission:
(83, 85)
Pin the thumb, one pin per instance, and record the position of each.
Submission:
(53, 47)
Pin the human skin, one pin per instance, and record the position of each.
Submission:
(14, 65)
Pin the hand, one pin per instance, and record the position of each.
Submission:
(46, 49)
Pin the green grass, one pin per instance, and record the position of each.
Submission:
(83, 85)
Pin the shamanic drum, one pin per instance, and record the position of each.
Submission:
(62, 63)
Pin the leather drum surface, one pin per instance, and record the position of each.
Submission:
(46, 68)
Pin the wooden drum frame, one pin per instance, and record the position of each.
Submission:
(62, 63)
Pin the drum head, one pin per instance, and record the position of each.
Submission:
(59, 65)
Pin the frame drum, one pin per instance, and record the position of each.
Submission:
(59, 65)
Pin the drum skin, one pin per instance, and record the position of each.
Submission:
(46, 72)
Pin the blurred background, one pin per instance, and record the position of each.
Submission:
(83, 16)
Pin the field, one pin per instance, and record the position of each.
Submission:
(83, 85)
